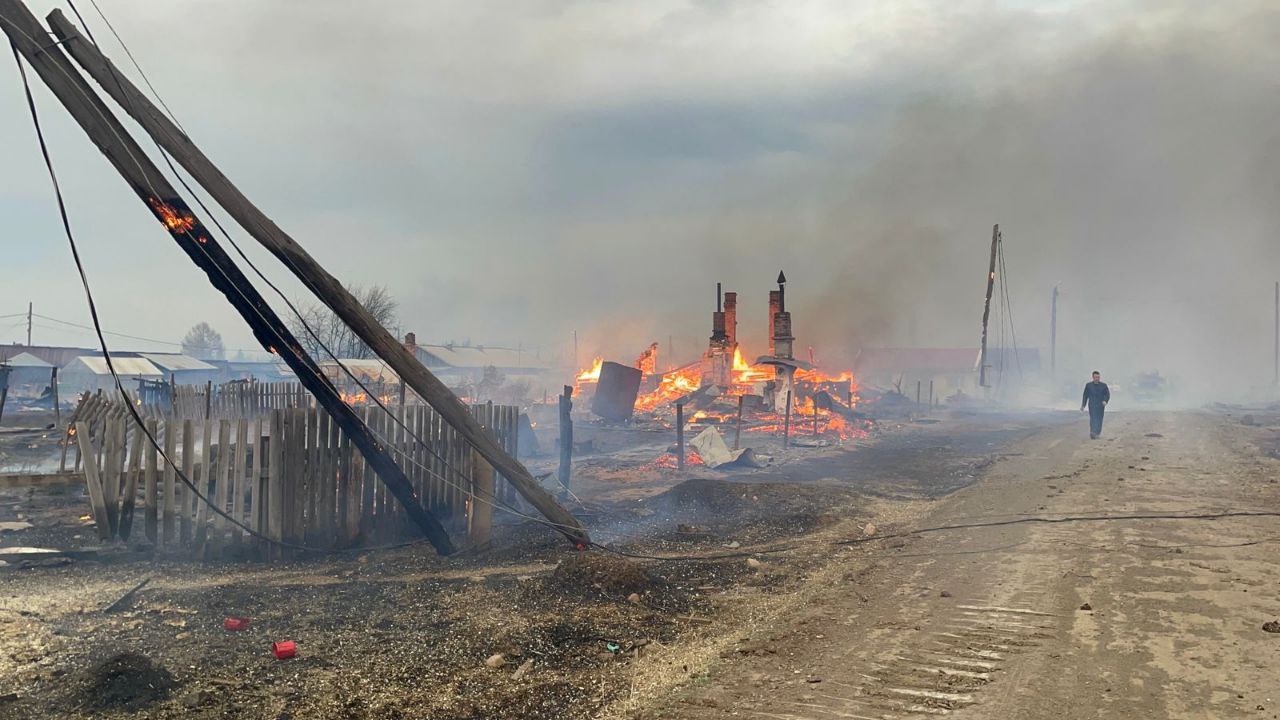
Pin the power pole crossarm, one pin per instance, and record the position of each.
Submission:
(325, 286)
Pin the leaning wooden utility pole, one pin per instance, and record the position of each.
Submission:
(102, 127)
(986, 308)
(305, 268)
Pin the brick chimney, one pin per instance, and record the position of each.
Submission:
(731, 318)
(411, 343)
(775, 306)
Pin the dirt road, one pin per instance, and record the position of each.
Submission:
(1108, 619)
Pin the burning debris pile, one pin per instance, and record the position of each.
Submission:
(776, 394)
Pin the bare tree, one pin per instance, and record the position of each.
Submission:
(332, 332)
(203, 342)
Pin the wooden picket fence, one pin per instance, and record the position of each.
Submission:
(290, 475)
(233, 400)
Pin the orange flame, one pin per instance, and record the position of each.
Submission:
(592, 375)
(173, 220)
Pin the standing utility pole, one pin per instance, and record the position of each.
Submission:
(1275, 380)
(324, 285)
(986, 308)
(29, 324)
(1053, 336)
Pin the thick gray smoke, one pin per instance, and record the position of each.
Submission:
(513, 173)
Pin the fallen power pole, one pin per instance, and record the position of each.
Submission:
(325, 286)
(154, 190)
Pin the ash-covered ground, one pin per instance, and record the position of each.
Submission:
(530, 629)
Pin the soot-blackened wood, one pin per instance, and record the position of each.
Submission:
(326, 287)
(153, 188)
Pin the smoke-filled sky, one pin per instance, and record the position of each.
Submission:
(516, 171)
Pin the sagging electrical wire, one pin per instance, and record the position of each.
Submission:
(445, 463)
(449, 467)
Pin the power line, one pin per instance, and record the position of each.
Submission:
(98, 330)
(213, 217)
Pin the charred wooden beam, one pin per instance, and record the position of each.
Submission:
(151, 186)
(316, 278)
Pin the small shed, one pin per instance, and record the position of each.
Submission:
(28, 375)
(184, 369)
(90, 373)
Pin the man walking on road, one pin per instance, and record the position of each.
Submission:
(1096, 397)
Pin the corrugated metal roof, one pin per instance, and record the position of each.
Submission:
(476, 356)
(176, 362)
(125, 366)
(364, 368)
(26, 360)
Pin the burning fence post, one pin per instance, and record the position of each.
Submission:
(815, 418)
(680, 436)
(566, 435)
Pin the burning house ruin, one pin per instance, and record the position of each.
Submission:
(722, 388)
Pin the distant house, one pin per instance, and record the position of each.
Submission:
(28, 374)
(462, 366)
(183, 369)
(268, 371)
(90, 373)
(367, 370)
(57, 355)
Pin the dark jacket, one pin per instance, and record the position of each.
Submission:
(1095, 394)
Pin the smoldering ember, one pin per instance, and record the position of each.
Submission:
(666, 360)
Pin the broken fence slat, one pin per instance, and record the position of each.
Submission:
(93, 481)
